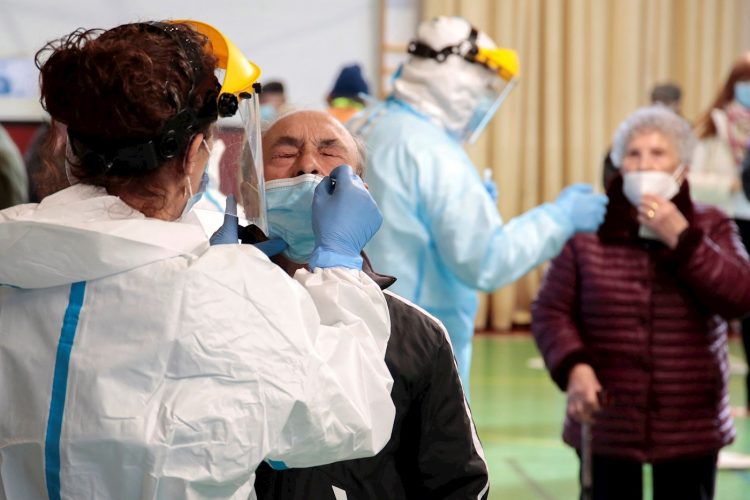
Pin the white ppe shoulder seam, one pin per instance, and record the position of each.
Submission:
(238, 293)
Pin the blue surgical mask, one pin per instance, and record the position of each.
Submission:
(196, 196)
(268, 113)
(742, 93)
(289, 203)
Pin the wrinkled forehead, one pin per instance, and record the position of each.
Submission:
(308, 127)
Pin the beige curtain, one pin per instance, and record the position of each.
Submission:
(585, 65)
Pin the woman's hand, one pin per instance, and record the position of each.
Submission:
(663, 218)
(583, 393)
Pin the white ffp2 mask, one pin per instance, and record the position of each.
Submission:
(653, 182)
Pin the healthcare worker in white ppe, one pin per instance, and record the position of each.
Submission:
(442, 235)
(135, 360)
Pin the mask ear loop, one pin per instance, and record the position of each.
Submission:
(184, 166)
(677, 175)
(72, 179)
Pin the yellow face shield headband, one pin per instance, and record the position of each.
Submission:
(504, 62)
(241, 74)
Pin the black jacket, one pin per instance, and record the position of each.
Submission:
(433, 452)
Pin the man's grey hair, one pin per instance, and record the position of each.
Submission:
(657, 118)
(361, 168)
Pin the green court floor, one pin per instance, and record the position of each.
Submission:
(518, 412)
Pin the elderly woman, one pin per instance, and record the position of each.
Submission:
(631, 321)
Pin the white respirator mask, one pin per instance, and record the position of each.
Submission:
(653, 182)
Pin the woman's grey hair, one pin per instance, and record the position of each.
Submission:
(657, 118)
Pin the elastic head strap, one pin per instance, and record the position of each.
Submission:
(193, 52)
(419, 49)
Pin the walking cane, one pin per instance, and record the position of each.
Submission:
(587, 478)
(587, 464)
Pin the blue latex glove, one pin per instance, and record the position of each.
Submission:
(584, 208)
(491, 189)
(227, 234)
(344, 218)
(490, 186)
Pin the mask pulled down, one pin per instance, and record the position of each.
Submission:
(289, 204)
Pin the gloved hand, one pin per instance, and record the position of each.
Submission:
(253, 235)
(491, 189)
(227, 234)
(344, 218)
(489, 186)
(584, 208)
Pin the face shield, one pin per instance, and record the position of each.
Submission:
(235, 164)
(503, 63)
(500, 77)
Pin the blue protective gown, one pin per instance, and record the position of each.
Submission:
(442, 235)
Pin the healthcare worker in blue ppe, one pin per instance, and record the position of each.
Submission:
(137, 361)
(442, 235)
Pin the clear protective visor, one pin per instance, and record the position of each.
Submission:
(490, 99)
(235, 165)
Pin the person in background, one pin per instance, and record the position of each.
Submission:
(715, 175)
(14, 183)
(345, 99)
(669, 95)
(666, 94)
(273, 102)
(45, 162)
(746, 172)
(632, 321)
(434, 451)
(139, 362)
(442, 236)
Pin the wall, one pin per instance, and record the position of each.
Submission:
(302, 42)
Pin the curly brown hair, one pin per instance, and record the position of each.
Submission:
(119, 87)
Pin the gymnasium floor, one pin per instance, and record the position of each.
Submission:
(518, 412)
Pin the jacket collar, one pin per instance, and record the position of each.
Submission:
(621, 222)
(382, 280)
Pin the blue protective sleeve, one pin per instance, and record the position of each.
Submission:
(469, 233)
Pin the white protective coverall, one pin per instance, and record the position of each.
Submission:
(138, 363)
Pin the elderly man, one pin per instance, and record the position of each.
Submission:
(434, 451)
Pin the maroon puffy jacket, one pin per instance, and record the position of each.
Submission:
(651, 322)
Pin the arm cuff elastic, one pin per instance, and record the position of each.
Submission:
(560, 217)
(325, 258)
